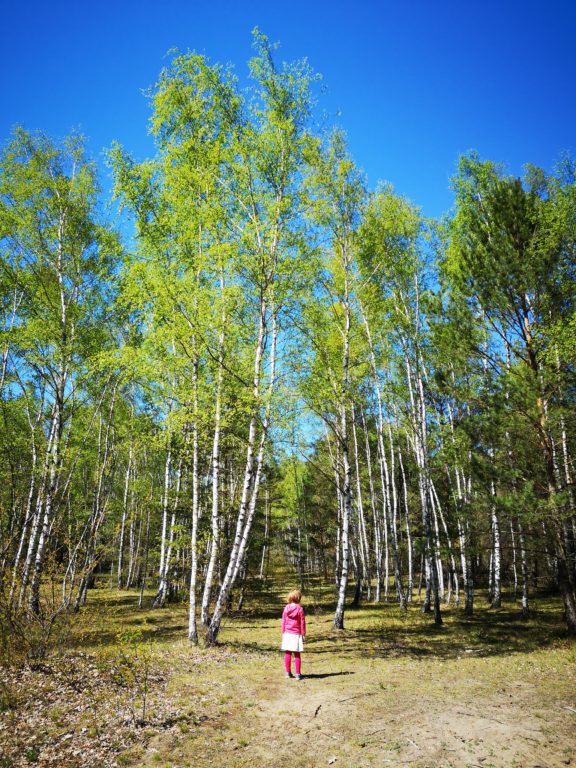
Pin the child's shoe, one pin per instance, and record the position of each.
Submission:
(289, 674)
(298, 677)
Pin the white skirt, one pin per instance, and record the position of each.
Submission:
(292, 642)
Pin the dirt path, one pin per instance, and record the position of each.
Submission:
(489, 691)
(359, 706)
(373, 716)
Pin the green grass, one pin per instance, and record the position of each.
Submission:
(399, 688)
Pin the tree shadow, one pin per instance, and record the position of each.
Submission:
(488, 632)
(372, 630)
(384, 631)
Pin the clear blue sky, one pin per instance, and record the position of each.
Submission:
(413, 82)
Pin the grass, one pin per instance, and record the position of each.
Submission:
(385, 660)
(392, 688)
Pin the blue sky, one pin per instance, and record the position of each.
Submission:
(414, 83)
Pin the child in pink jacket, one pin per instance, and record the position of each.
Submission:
(293, 632)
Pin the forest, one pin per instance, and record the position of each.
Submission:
(242, 371)
(257, 357)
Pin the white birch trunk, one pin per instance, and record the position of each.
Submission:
(37, 518)
(124, 514)
(335, 460)
(410, 582)
(263, 559)
(192, 624)
(215, 519)
(165, 503)
(420, 443)
(363, 548)
(251, 477)
(453, 568)
(383, 465)
(164, 587)
(524, 570)
(45, 520)
(346, 488)
(496, 590)
(375, 521)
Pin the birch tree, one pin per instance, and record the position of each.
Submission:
(220, 209)
(390, 243)
(57, 256)
(337, 191)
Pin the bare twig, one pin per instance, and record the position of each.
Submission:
(370, 693)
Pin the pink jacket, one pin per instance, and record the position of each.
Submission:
(293, 619)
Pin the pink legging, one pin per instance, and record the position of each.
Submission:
(288, 661)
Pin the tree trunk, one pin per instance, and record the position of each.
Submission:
(344, 447)
(215, 535)
(161, 594)
(496, 591)
(124, 513)
(48, 499)
(144, 576)
(346, 516)
(524, 569)
(192, 624)
(363, 547)
(265, 546)
(410, 582)
(375, 521)
(251, 477)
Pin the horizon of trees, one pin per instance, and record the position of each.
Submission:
(158, 396)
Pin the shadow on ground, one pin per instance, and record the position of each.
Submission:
(374, 630)
(326, 674)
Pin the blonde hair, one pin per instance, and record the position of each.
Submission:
(294, 597)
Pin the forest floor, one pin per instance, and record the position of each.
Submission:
(127, 689)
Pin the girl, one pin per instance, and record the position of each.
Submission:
(293, 632)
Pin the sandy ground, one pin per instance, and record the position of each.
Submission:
(388, 691)
(346, 721)
(376, 708)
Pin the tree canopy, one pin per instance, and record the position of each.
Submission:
(280, 362)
